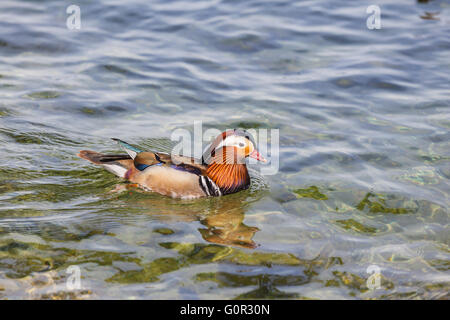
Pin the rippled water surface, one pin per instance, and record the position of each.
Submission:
(364, 148)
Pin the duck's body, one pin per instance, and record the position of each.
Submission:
(221, 170)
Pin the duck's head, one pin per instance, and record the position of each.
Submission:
(232, 147)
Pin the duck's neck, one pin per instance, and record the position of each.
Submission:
(229, 178)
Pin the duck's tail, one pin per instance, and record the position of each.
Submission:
(119, 164)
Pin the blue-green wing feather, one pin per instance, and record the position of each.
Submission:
(144, 160)
(131, 150)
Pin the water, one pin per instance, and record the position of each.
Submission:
(364, 148)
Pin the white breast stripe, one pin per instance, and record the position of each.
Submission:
(217, 191)
(209, 187)
(204, 185)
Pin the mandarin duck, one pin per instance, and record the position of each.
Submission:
(221, 170)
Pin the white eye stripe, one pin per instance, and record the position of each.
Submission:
(233, 141)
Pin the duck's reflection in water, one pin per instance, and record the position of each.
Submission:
(226, 226)
(222, 217)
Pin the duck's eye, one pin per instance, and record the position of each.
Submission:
(241, 144)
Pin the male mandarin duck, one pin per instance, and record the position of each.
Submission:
(222, 169)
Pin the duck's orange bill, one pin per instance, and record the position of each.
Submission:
(255, 155)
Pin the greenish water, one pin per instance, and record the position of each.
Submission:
(364, 149)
